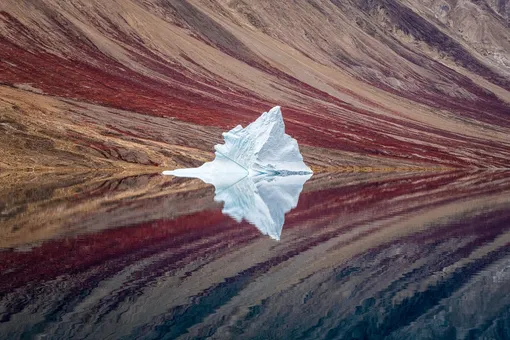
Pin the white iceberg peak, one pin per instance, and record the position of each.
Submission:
(263, 146)
(252, 159)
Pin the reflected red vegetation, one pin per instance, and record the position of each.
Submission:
(192, 236)
(127, 244)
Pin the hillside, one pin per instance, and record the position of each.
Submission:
(129, 84)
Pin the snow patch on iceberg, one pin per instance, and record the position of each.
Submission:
(258, 173)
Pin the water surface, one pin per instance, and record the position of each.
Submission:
(362, 256)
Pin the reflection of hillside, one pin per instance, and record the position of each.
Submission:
(368, 254)
(431, 277)
(38, 206)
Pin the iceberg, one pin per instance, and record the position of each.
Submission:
(261, 147)
(258, 173)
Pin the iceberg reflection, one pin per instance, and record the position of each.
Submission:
(262, 200)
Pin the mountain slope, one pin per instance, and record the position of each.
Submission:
(402, 83)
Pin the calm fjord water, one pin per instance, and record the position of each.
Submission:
(362, 256)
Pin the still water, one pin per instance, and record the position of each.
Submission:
(362, 256)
